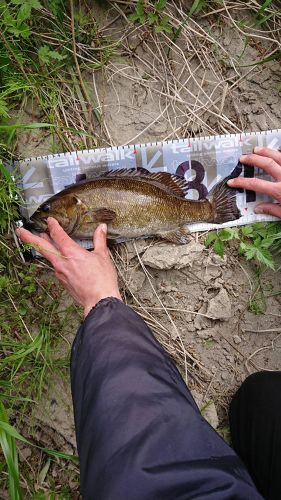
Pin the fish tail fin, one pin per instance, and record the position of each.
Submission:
(223, 201)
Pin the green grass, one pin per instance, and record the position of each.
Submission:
(40, 60)
(39, 64)
(32, 346)
(8, 438)
(8, 445)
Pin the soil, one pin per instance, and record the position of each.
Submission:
(206, 297)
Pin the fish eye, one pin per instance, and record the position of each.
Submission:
(45, 207)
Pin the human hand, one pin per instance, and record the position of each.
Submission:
(88, 276)
(270, 162)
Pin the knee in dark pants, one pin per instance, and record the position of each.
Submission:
(261, 391)
(255, 426)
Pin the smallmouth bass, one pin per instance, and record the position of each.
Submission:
(135, 203)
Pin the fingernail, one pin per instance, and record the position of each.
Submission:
(259, 210)
(230, 182)
(243, 157)
(103, 228)
(18, 232)
(257, 149)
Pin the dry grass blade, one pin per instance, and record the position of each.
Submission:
(268, 330)
(271, 346)
(187, 70)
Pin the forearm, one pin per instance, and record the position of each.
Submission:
(139, 433)
(118, 366)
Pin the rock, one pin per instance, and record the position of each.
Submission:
(167, 256)
(136, 281)
(212, 272)
(207, 332)
(204, 334)
(237, 339)
(200, 322)
(260, 76)
(217, 260)
(226, 348)
(219, 307)
(209, 412)
(167, 287)
(136, 247)
(24, 453)
(230, 358)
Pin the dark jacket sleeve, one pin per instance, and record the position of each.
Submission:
(140, 435)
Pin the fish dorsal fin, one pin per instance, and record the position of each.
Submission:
(174, 184)
(126, 172)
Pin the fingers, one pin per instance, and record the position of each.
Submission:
(61, 239)
(268, 164)
(99, 239)
(45, 237)
(270, 153)
(258, 185)
(41, 244)
(269, 208)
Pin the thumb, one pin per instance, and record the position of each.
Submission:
(99, 239)
(269, 208)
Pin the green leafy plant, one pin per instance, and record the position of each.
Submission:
(217, 239)
(48, 56)
(197, 6)
(25, 8)
(258, 242)
(152, 16)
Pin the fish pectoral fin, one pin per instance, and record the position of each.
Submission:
(103, 215)
(180, 236)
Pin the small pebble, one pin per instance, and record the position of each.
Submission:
(237, 339)
(230, 358)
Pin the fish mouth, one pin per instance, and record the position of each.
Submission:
(38, 225)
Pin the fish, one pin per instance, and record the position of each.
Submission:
(135, 203)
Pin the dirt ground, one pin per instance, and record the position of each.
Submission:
(196, 302)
